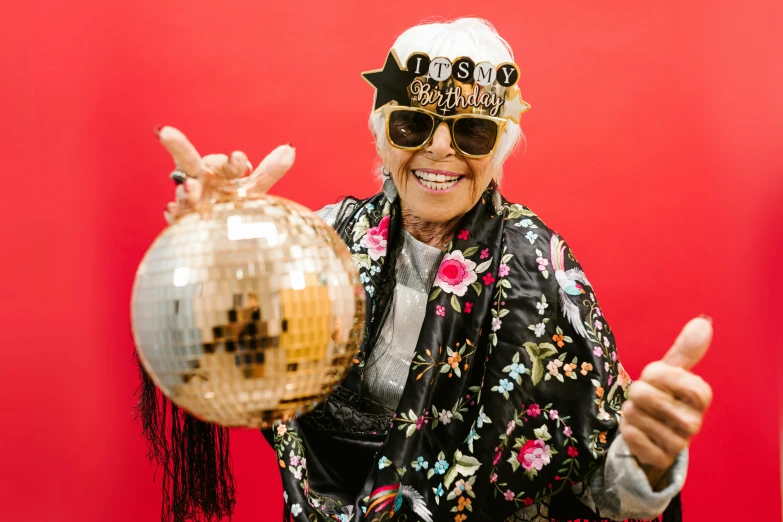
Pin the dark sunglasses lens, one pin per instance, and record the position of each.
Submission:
(409, 128)
(475, 136)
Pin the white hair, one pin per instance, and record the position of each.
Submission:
(472, 37)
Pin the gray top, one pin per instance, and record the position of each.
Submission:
(618, 489)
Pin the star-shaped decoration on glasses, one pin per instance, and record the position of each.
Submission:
(514, 105)
(391, 82)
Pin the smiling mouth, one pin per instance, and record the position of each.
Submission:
(435, 180)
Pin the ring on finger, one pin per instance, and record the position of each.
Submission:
(178, 175)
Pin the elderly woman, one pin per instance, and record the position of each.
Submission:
(488, 386)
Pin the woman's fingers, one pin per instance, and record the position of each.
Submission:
(645, 450)
(238, 164)
(271, 169)
(658, 432)
(679, 416)
(184, 153)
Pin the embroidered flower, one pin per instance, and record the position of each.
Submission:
(508, 495)
(461, 486)
(568, 369)
(558, 339)
(567, 431)
(614, 356)
(534, 410)
(296, 509)
(441, 466)
(445, 416)
(493, 478)
(496, 322)
(281, 429)
(503, 270)
(484, 254)
(482, 418)
(534, 455)
(623, 377)
(515, 370)
(528, 501)
(439, 490)
(370, 290)
(586, 367)
(375, 239)
(553, 366)
(530, 236)
(527, 223)
(384, 463)
(439, 310)
(597, 351)
(294, 460)
(542, 263)
(460, 517)
(572, 451)
(602, 437)
(505, 385)
(454, 359)
(510, 427)
(552, 414)
(541, 307)
(606, 342)
(488, 279)
(463, 235)
(540, 329)
(421, 464)
(455, 273)
(468, 307)
(599, 325)
(599, 391)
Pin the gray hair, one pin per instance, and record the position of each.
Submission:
(473, 37)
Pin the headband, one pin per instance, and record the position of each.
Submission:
(448, 87)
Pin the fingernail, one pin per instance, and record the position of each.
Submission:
(706, 317)
(291, 145)
(157, 130)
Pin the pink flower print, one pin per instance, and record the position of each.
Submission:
(294, 461)
(484, 254)
(572, 452)
(463, 235)
(552, 414)
(439, 310)
(375, 239)
(598, 311)
(488, 279)
(504, 270)
(281, 429)
(599, 325)
(455, 273)
(510, 428)
(497, 459)
(534, 455)
(614, 356)
(567, 431)
(528, 501)
(533, 410)
(508, 495)
(597, 351)
(493, 478)
(419, 422)
(468, 307)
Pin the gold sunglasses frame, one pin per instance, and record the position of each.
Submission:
(449, 121)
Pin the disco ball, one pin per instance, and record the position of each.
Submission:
(247, 313)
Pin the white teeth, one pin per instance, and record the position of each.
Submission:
(428, 176)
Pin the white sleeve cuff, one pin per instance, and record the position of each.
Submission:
(619, 489)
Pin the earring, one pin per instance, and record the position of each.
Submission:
(389, 188)
(497, 201)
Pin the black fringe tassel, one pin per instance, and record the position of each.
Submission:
(194, 456)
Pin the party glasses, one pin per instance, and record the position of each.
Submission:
(473, 135)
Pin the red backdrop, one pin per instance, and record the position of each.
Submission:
(653, 145)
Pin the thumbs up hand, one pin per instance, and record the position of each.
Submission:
(665, 407)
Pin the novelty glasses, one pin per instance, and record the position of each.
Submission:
(473, 135)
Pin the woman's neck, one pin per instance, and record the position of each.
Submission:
(433, 234)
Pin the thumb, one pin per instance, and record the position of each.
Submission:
(691, 344)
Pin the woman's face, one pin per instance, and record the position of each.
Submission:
(437, 184)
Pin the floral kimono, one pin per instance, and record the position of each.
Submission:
(512, 397)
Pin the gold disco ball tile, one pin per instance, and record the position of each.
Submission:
(249, 313)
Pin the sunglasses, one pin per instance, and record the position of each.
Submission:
(473, 135)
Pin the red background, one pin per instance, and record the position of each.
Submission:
(654, 146)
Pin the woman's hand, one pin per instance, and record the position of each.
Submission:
(208, 175)
(666, 406)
